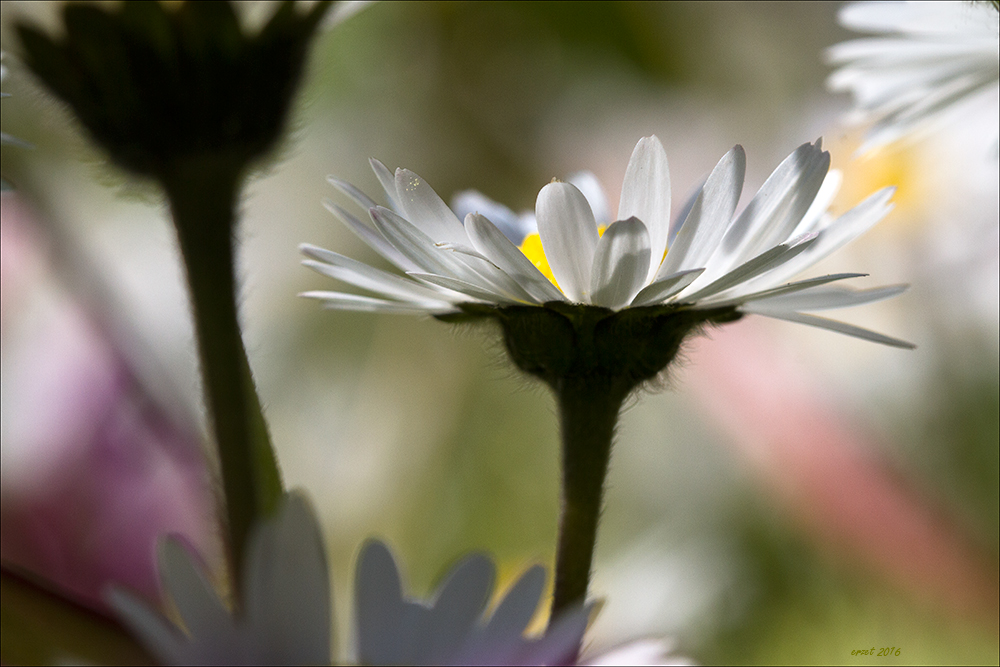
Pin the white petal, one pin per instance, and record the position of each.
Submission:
(487, 272)
(388, 183)
(681, 216)
(752, 268)
(856, 221)
(419, 248)
(490, 276)
(459, 605)
(195, 598)
(569, 237)
(287, 588)
(426, 210)
(784, 289)
(491, 242)
(372, 238)
(776, 209)
(646, 195)
(892, 58)
(709, 216)
(378, 604)
(359, 197)
(906, 119)
(832, 325)
(666, 287)
(621, 263)
(639, 652)
(472, 201)
(433, 259)
(921, 18)
(826, 298)
(366, 277)
(588, 184)
(518, 607)
(837, 234)
(814, 218)
(367, 304)
(474, 291)
(156, 634)
(561, 640)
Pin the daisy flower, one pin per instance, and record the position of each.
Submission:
(708, 259)
(928, 59)
(596, 311)
(452, 629)
(286, 616)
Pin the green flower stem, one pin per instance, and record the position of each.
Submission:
(592, 358)
(588, 412)
(203, 194)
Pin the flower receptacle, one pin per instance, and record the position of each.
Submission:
(562, 342)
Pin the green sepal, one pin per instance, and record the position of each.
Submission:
(624, 348)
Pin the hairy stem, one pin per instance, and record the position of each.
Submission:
(202, 200)
(588, 413)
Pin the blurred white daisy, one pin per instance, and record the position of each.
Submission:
(453, 629)
(709, 259)
(929, 59)
(285, 619)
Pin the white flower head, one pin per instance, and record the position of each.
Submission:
(286, 615)
(452, 630)
(709, 260)
(928, 59)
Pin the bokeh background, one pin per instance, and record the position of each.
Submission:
(785, 495)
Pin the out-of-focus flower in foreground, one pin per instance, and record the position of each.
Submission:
(97, 459)
(709, 260)
(393, 630)
(929, 58)
(286, 614)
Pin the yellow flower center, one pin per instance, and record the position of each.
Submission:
(533, 250)
(902, 164)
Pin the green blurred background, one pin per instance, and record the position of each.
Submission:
(421, 433)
